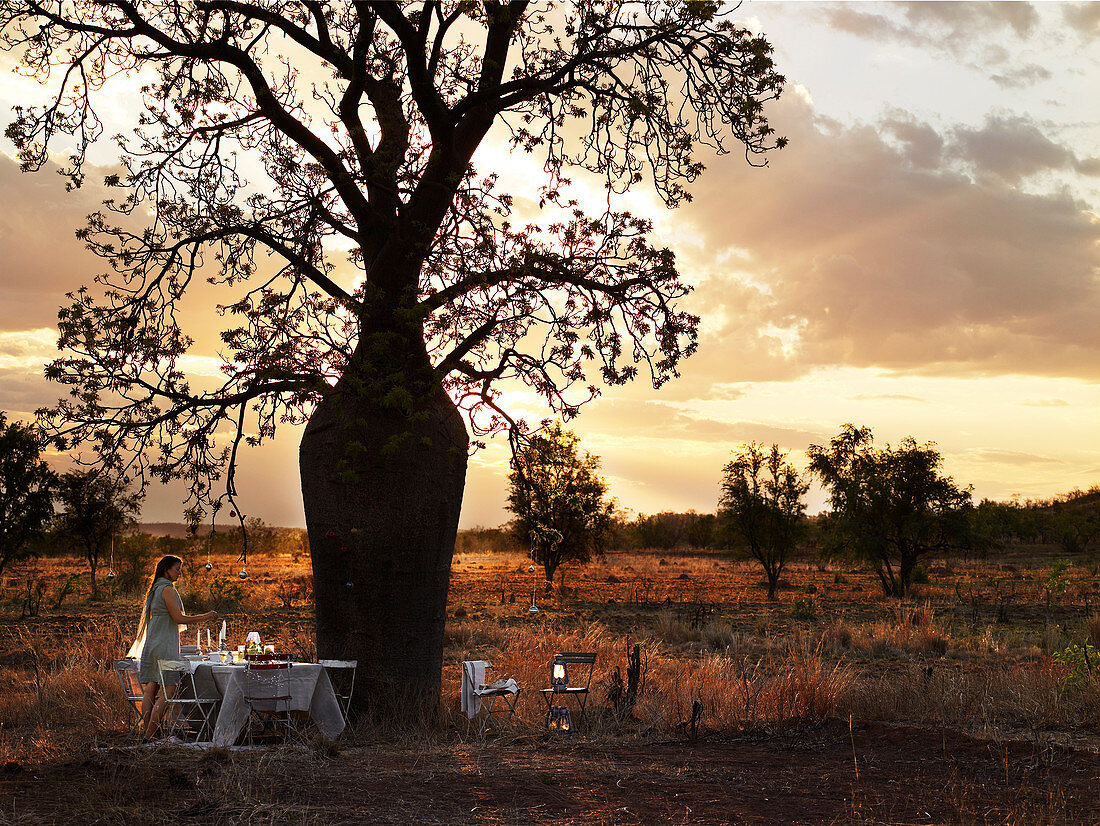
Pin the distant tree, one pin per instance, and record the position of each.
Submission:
(95, 509)
(668, 530)
(559, 499)
(701, 529)
(1073, 520)
(992, 525)
(890, 506)
(762, 509)
(26, 491)
(659, 531)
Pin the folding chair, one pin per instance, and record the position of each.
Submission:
(565, 684)
(341, 673)
(127, 671)
(190, 715)
(267, 693)
(476, 694)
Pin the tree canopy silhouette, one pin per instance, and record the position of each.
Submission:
(95, 508)
(890, 505)
(26, 490)
(761, 507)
(559, 498)
(314, 162)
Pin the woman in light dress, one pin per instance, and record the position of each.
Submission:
(158, 637)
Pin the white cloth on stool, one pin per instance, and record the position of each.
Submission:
(473, 676)
(508, 686)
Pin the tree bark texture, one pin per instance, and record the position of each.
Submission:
(382, 488)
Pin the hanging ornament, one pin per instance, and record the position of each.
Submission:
(243, 574)
(111, 570)
(349, 584)
(208, 566)
(232, 514)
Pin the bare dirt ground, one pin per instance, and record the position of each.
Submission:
(827, 773)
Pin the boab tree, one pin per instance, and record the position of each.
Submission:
(559, 499)
(890, 505)
(314, 162)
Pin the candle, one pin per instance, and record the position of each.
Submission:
(198, 639)
(207, 639)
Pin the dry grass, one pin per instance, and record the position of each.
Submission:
(748, 667)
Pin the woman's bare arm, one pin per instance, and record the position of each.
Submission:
(172, 603)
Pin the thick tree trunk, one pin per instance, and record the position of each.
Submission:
(382, 483)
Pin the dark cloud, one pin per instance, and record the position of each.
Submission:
(960, 30)
(969, 19)
(922, 145)
(1013, 147)
(950, 26)
(867, 256)
(1021, 76)
(1083, 17)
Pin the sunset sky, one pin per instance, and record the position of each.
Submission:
(923, 258)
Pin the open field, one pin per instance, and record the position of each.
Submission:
(833, 705)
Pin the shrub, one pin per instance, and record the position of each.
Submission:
(134, 556)
(1082, 661)
(225, 595)
(837, 638)
(803, 609)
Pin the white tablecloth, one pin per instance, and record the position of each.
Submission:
(310, 691)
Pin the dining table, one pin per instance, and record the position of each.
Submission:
(310, 690)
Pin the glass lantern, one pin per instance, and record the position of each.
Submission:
(559, 720)
(559, 674)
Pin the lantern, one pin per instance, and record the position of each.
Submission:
(559, 675)
(559, 720)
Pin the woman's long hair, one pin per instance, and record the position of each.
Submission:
(165, 563)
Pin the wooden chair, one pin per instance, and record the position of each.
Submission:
(127, 671)
(477, 695)
(579, 666)
(341, 673)
(190, 716)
